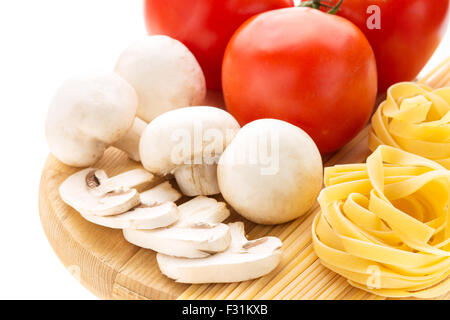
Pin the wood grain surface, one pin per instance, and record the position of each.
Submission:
(112, 268)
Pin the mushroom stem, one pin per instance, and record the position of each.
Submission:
(197, 179)
(129, 143)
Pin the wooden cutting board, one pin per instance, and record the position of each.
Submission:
(112, 268)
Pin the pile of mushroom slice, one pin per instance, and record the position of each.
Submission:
(115, 203)
(192, 243)
(198, 232)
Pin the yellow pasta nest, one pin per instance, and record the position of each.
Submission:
(414, 118)
(384, 225)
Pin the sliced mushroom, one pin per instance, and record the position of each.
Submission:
(140, 217)
(157, 209)
(137, 178)
(91, 192)
(197, 234)
(243, 260)
(202, 209)
(163, 192)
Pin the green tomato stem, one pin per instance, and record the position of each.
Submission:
(317, 4)
(336, 7)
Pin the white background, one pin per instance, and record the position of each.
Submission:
(42, 43)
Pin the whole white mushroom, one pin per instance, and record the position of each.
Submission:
(271, 172)
(164, 73)
(187, 143)
(88, 114)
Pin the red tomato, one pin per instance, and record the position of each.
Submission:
(410, 31)
(312, 69)
(204, 26)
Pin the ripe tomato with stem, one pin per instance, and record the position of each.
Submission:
(313, 69)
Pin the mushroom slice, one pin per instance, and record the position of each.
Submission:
(198, 241)
(202, 209)
(137, 178)
(197, 234)
(163, 192)
(157, 209)
(91, 192)
(243, 260)
(140, 217)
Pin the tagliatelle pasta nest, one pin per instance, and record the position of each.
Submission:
(384, 225)
(414, 118)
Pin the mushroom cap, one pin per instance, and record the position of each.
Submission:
(87, 114)
(191, 135)
(164, 73)
(271, 172)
